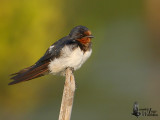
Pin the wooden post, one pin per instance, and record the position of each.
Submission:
(68, 96)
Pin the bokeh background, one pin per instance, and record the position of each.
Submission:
(124, 66)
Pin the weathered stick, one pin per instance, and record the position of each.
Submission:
(68, 96)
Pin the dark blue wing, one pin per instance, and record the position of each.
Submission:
(40, 68)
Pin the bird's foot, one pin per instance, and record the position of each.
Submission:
(71, 68)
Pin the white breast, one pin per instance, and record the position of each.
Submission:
(69, 58)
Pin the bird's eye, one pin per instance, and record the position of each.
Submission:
(81, 35)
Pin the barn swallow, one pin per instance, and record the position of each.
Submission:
(70, 51)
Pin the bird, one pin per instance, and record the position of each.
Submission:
(136, 110)
(70, 51)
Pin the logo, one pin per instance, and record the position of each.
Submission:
(143, 112)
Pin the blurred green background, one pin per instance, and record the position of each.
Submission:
(124, 66)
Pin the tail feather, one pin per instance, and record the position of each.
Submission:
(22, 71)
(29, 73)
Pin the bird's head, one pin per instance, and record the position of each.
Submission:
(81, 34)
